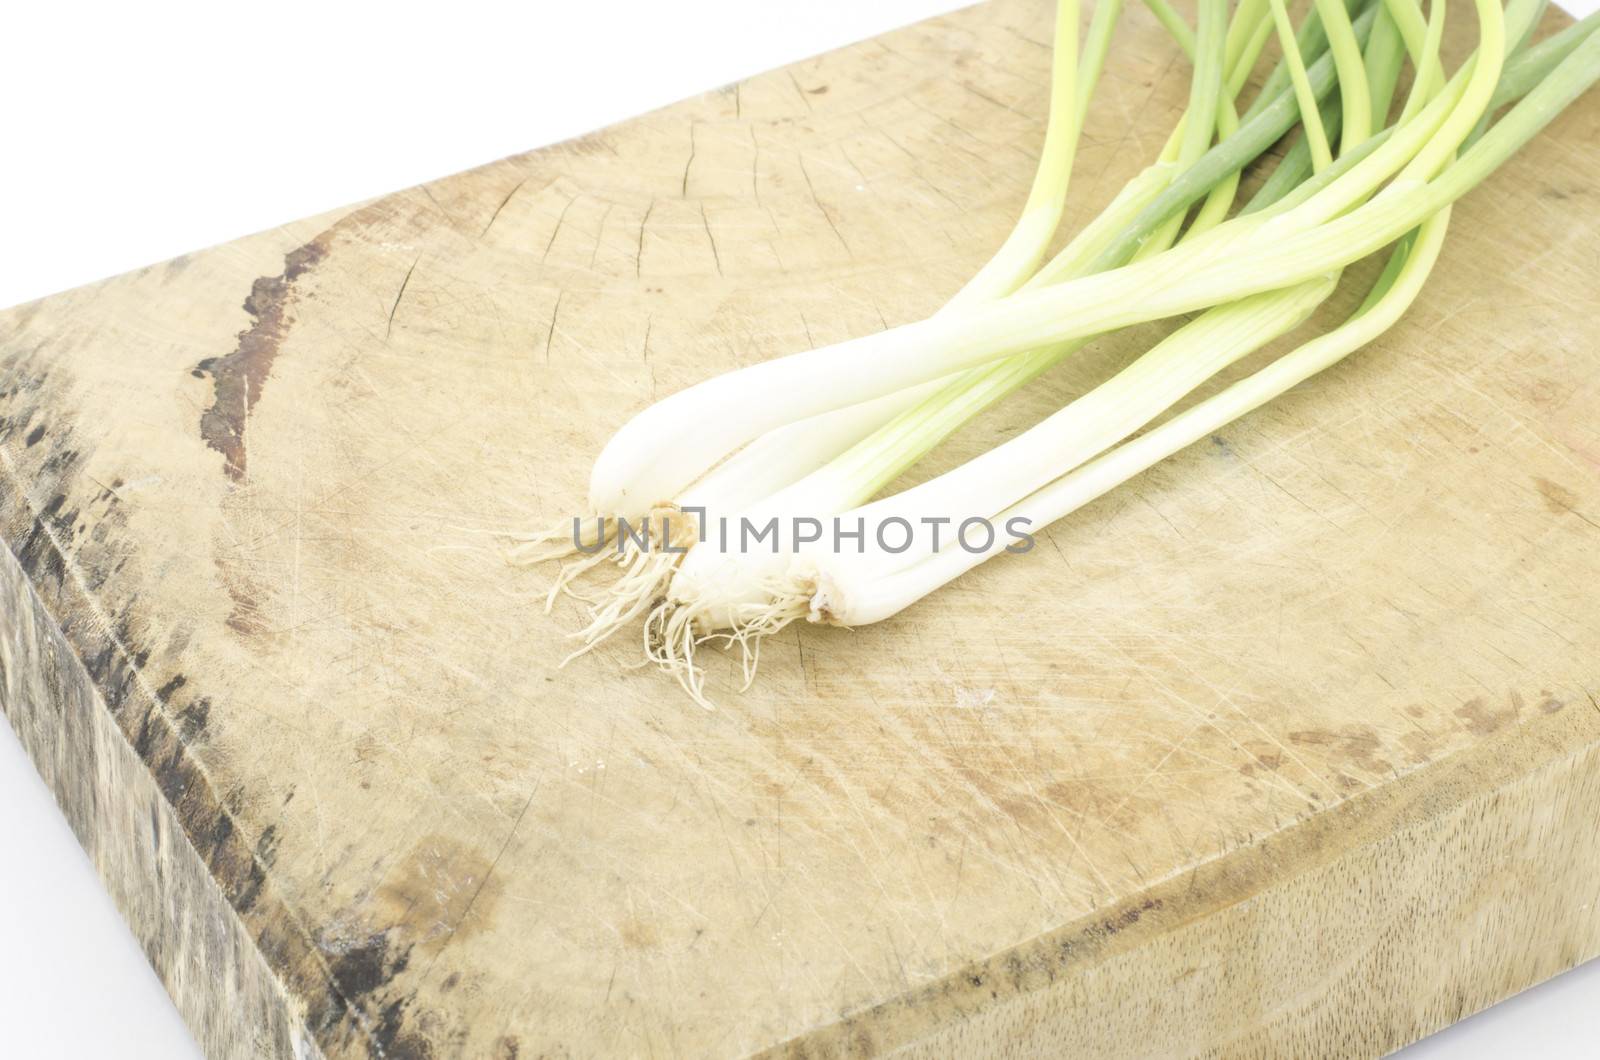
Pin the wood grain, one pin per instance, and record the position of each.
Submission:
(1289, 747)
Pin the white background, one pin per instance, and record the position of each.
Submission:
(138, 132)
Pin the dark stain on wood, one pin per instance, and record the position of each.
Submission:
(363, 973)
(238, 378)
(166, 691)
(439, 890)
(245, 617)
(1558, 500)
(637, 934)
(366, 966)
(390, 1039)
(443, 888)
(193, 718)
(267, 845)
(1357, 745)
(1481, 719)
(1131, 916)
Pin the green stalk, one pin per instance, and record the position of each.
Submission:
(1205, 92)
(1551, 82)
(1175, 25)
(1096, 45)
(1255, 135)
(1214, 210)
(1355, 93)
(1253, 21)
(1311, 42)
(1520, 77)
(1521, 40)
(1020, 254)
(1419, 146)
(1305, 98)
(1411, 136)
(1521, 73)
(1573, 76)
(1389, 217)
(1384, 57)
(1247, 34)
(1409, 20)
(1431, 73)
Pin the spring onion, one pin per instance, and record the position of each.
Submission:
(823, 433)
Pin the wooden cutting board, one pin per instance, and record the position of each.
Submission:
(1289, 747)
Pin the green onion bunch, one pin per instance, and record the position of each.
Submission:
(818, 436)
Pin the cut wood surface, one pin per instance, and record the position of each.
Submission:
(1289, 747)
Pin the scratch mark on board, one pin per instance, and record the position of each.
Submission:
(550, 335)
(502, 206)
(706, 222)
(388, 328)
